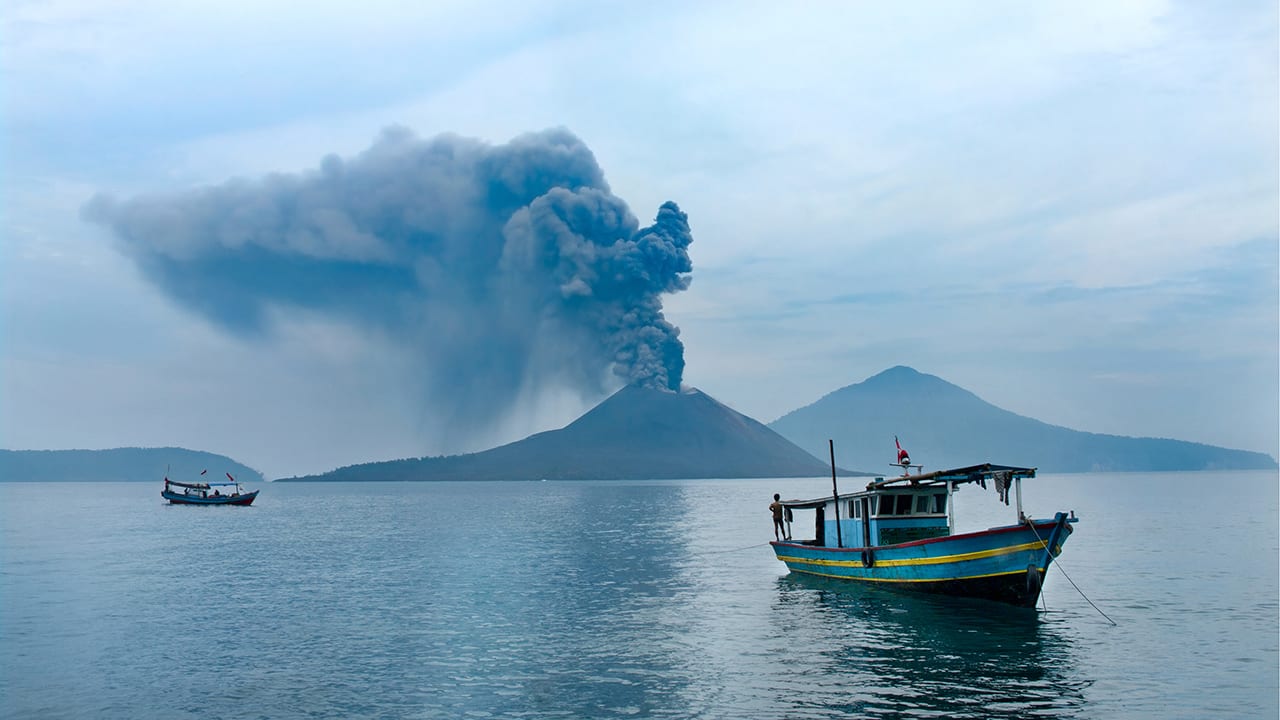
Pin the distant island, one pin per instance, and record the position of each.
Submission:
(943, 425)
(646, 434)
(642, 433)
(119, 465)
(635, 434)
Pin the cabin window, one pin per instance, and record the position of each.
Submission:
(887, 503)
(922, 504)
(940, 503)
(875, 504)
(855, 510)
(904, 505)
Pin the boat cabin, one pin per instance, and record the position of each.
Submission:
(900, 509)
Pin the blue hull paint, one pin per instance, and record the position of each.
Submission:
(1005, 564)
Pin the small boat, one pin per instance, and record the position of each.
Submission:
(897, 533)
(207, 493)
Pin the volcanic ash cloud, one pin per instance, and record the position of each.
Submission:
(500, 267)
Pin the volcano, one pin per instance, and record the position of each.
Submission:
(636, 434)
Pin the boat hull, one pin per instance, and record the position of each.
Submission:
(1005, 564)
(181, 499)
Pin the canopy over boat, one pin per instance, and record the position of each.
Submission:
(957, 476)
(193, 486)
(1002, 474)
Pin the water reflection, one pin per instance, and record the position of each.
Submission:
(879, 653)
(586, 634)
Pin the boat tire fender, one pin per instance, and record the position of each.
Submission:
(1033, 579)
(868, 558)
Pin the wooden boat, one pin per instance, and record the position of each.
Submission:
(898, 533)
(207, 493)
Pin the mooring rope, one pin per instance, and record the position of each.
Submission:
(1045, 545)
(721, 552)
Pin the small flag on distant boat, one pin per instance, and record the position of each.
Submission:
(230, 478)
(204, 471)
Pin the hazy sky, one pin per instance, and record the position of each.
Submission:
(1070, 209)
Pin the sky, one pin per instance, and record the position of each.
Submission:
(269, 229)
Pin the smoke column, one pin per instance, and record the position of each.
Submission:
(501, 268)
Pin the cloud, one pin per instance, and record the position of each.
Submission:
(499, 267)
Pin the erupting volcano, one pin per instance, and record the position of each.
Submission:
(637, 433)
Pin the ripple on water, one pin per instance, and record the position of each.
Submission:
(549, 600)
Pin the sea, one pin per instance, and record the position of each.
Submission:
(656, 599)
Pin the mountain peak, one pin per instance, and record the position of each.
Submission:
(897, 371)
(901, 383)
(896, 375)
(901, 376)
(943, 425)
(636, 433)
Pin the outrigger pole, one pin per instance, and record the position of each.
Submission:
(835, 494)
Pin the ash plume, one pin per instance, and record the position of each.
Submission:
(500, 267)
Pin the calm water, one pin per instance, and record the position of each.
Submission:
(598, 600)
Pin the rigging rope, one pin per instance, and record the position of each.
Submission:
(1045, 545)
(721, 552)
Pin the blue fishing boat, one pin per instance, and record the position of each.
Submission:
(207, 493)
(897, 532)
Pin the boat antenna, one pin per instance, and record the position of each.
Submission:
(835, 494)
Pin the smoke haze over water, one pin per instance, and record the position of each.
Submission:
(500, 268)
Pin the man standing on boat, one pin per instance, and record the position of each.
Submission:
(776, 508)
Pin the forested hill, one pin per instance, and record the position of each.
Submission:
(119, 464)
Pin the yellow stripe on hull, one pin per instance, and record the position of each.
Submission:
(861, 578)
(960, 557)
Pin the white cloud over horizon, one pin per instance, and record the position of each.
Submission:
(1070, 209)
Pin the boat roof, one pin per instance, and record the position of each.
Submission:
(935, 479)
(200, 486)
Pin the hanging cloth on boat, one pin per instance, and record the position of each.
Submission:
(1003, 481)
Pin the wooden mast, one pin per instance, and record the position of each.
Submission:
(835, 494)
